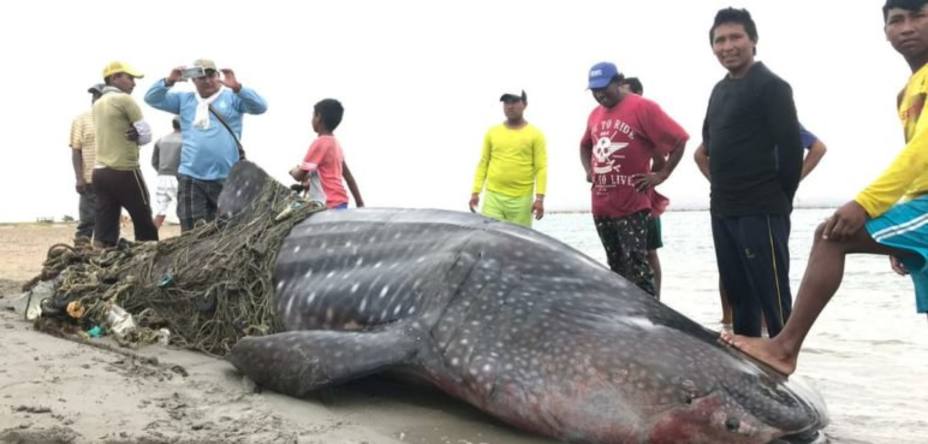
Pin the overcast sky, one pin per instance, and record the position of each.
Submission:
(420, 82)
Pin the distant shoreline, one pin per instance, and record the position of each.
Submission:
(50, 221)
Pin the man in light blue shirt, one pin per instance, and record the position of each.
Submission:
(211, 121)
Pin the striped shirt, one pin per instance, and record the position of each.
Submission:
(83, 140)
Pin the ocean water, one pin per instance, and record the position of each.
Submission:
(868, 352)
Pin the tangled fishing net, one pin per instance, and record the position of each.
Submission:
(209, 286)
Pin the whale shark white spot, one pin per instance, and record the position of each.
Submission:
(383, 292)
(363, 305)
(359, 262)
(331, 273)
(296, 249)
(280, 285)
(354, 288)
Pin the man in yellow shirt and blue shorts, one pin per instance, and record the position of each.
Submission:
(889, 217)
(513, 165)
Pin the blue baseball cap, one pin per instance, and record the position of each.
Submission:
(601, 74)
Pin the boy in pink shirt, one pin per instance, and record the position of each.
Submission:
(323, 168)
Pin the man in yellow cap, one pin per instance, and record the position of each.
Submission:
(117, 179)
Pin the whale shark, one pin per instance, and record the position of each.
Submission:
(512, 321)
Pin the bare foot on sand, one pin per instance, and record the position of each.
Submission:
(763, 350)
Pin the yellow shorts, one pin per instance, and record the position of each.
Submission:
(517, 210)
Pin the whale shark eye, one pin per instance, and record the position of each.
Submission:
(732, 424)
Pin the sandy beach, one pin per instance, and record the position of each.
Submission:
(67, 390)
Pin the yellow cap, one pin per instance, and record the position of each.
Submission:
(118, 67)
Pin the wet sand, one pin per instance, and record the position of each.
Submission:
(56, 390)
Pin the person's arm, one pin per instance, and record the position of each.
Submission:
(701, 156)
(540, 155)
(814, 155)
(352, 185)
(480, 176)
(155, 156)
(777, 99)
(657, 162)
(298, 173)
(893, 183)
(586, 152)
(248, 100)
(77, 160)
(314, 155)
(643, 182)
(78, 163)
(139, 131)
(160, 96)
(668, 138)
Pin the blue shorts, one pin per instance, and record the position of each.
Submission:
(905, 227)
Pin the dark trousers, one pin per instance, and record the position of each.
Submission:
(197, 200)
(625, 242)
(116, 190)
(752, 253)
(86, 208)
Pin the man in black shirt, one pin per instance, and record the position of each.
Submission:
(751, 135)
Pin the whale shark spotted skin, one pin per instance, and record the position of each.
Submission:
(510, 320)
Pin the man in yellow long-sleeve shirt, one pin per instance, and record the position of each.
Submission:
(889, 217)
(513, 165)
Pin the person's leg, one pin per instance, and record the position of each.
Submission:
(634, 240)
(135, 199)
(726, 306)
(185, 202)
(624, 240)
(519, 210)
(730, 257)
(607, 229)
(107, 209)
(492, 206)
(654, 242)
(211, 191)
(821, 280)
(87, 210)
(764, 241)
(193, 198)
(162, 200)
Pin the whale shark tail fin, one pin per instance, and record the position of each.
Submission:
(298, 362)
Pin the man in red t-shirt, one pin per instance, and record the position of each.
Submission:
(621, 137)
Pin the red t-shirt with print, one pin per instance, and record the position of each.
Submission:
(623, 139)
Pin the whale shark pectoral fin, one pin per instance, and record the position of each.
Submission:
(298, 362)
